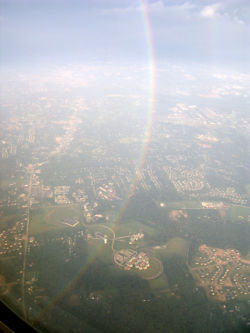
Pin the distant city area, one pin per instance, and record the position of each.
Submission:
(87, 198)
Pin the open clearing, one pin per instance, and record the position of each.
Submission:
(96, 249)
(160, 284)
(127, 227)
(154, 271)
(182, 204)
(238, 211)
(175, 246)
(47, 219)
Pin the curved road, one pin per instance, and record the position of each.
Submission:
(113, 241)
(104, 226)
(157, 274)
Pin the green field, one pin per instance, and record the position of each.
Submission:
(180, 204)
(160, 284)
(248, 189)
(175, 246)
(127, 227)
(152, 271)
(17, 181)
(96, 249)
(50, 218)
(92, 229)
(235, 211)
(9, 216)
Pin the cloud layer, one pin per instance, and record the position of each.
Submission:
(203, 31)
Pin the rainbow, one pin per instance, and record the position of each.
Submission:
(140, 164)
(151, 98)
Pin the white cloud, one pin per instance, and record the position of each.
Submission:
(210, 11)
(209, 95)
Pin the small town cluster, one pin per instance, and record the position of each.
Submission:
(129, 259)
(222, 272)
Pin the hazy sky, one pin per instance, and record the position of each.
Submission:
(73, 31)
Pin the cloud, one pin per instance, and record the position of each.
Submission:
(212, 31)
(210, 11)
(237, 11)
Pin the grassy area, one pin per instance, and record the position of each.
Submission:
(124, 245)
(175, 246)
(153, 270)
(50, 218)
(180, 204)
(92, 229)
(6, 219)
(160, 284)
(248, 189)
(5, 183)
(127, 227)
(9, 216)
(108, 292)
(235, 211)
(97, 249)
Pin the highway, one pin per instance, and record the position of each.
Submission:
(26, 241)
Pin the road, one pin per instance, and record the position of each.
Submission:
(104, 226)
(158, 273)
(113, 240)
(26, 241)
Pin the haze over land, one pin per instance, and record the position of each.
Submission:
(124, 179)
